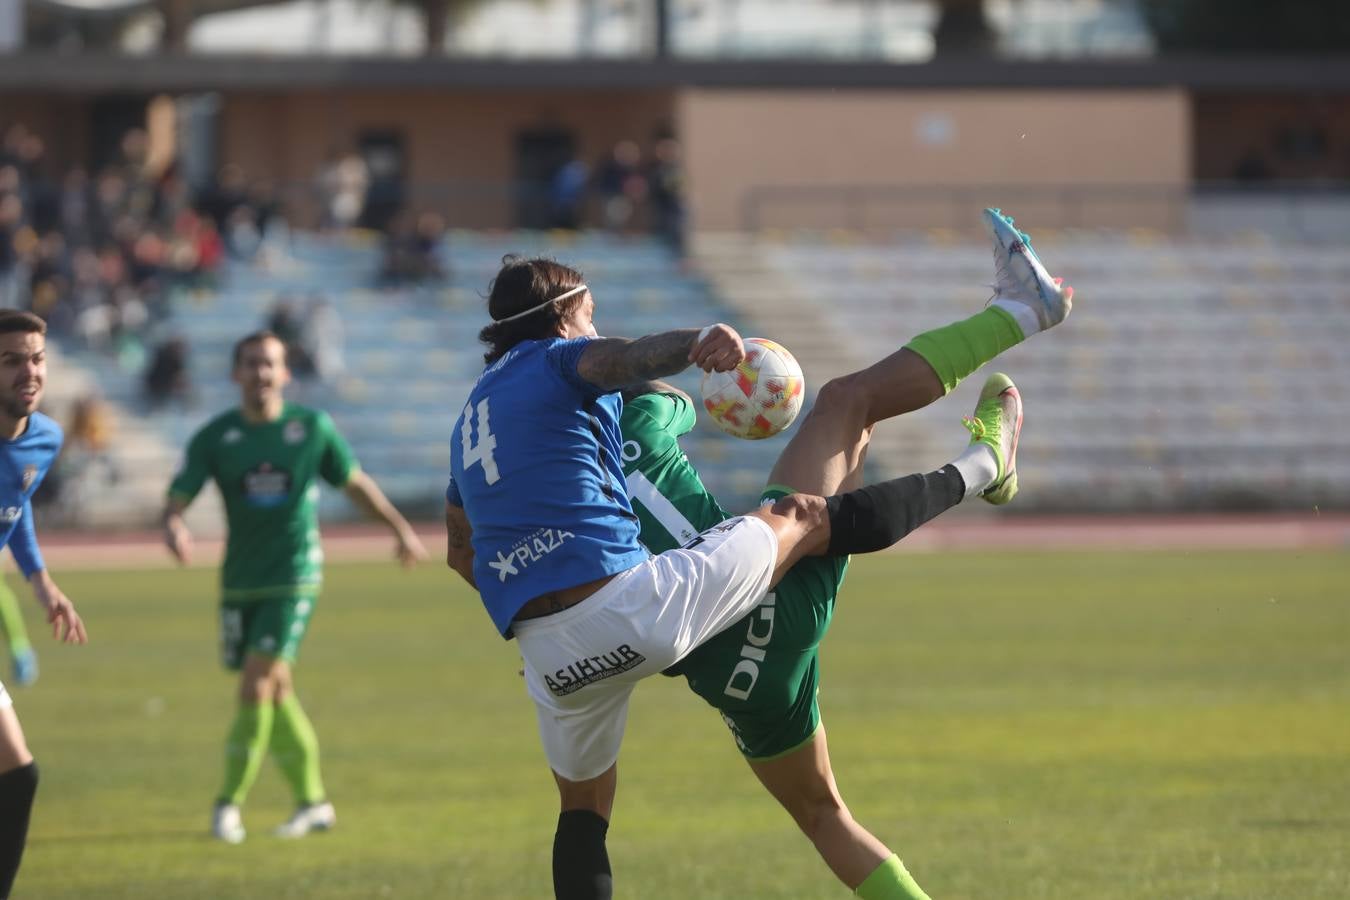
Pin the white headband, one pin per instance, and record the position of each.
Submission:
(533, 309)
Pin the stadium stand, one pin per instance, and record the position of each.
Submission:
(1194, 374)
(411, 354)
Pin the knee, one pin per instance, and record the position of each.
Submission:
(807, 511)
(261, 687)
(845, 397)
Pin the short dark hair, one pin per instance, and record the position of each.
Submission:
(256, 337)
(13, 320)
(523, 284)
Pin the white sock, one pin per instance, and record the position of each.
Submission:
(978, 467)
(1025, 315)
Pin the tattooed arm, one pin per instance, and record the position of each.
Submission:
(611, 363)
(459, 551)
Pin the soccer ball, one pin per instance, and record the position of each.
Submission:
(758, 398)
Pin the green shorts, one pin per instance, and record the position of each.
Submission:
(762, 673)
(272, 627)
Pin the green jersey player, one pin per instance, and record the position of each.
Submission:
(762, 673)
(267, 458)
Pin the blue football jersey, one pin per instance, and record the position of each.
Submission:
(24, 462)
(534, 462)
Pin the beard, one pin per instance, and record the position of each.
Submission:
(16, 407)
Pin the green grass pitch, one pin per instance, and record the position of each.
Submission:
(1078, 726)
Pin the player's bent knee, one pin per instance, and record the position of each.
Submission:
(805, 511)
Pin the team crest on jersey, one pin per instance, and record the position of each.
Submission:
(294, 432)
(528, 551)
(232, 436)
(267, 486)
(29, 473)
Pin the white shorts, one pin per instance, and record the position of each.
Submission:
(582, 663)
(5, 699)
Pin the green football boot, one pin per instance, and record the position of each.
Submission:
(997, 422)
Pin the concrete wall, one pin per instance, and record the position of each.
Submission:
(894, 144)
(460, 146)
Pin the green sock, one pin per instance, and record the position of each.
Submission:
(245, 747)
(296, 748)
(890, 881)
(956, 350)
(11, 620)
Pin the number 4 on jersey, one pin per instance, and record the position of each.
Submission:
(480, 452)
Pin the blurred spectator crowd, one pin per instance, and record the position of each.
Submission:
(631, 192)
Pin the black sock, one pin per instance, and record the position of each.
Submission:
(17, 787)
(875, 517)
(580, 862)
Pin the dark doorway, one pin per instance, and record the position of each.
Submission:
(540, 154)
(386, 160)
(110, 118)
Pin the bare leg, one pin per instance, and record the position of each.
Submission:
(594, 794)
(826, 454)
(804, 784)
(580, 862)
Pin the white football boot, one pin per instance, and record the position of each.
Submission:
(1022, 287)
(227, 823)
(314, 817)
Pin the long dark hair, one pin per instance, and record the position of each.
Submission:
(522, 284)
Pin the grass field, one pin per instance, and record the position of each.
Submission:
(1073, 726)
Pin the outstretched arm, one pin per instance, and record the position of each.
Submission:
(458, 547)
(366, 494)
(611, 363)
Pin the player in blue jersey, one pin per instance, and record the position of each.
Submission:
(539, 521)
(29, 443)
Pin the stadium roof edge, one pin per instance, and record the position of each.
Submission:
(94, 72)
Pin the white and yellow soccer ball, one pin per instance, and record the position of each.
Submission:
(758, 398)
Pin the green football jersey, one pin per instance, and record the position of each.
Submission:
(768, 697)
(671, 503)
(267, 475)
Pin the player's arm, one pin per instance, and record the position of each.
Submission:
(66, 623)
(196, 468)
(177, 537)
(611, 363)
(366, 494)
(458, 547)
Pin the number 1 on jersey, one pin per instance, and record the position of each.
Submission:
(480, 452)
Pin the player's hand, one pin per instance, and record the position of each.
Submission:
(179, 541)
(718, 349)
(67, 626)
(410, 551)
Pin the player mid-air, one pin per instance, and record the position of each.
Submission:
(29, 443)
(762, 673)
(267, 458)
(538, 519)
